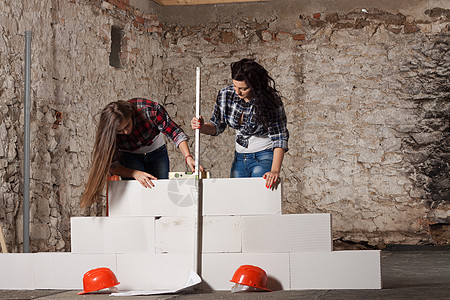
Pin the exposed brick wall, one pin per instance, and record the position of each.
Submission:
(141, 21)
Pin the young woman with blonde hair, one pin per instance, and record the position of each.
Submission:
(129, 142)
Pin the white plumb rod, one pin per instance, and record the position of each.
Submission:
(197, 131)
(198, 182)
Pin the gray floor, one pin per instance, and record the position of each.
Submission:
(407, 273)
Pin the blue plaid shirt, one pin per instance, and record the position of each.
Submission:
(228, 110)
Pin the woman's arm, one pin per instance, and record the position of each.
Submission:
(190, 161)
(272, 177)
(205, 128)
(144, 178)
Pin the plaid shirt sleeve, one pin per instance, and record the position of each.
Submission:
(278, 132)
(219, 117)
(166, 125)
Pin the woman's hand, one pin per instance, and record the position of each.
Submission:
(144, 178)
(197, 123)
(272, 179)
(190, 161)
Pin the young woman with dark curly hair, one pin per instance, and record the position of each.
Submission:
(253, 107)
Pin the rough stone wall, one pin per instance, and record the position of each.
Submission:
(71, 82)
(366, 95)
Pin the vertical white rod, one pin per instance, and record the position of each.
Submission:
(197, 115)
(198, 181)
(26, 171)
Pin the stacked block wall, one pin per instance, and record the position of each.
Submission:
(148, 242)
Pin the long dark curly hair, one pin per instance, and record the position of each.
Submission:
(267, 98)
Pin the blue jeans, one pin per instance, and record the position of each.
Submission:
(155, 162)
(251, 164)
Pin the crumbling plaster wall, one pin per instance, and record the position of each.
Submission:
(367, 100)
(366, 96)
(72, 80)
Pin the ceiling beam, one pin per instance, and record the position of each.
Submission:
(199, 2)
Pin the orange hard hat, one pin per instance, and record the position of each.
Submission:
(251, 276)
(98, 279)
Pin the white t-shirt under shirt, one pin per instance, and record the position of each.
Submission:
(158, 141)
(255, 144)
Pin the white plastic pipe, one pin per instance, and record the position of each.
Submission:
(199, 187)
(26, 168)
(197, 115)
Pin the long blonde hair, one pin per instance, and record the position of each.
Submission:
(112, 116)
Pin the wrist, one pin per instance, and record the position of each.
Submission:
(187, 156)
(134, 173)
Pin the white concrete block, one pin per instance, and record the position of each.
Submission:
(359, 269)
(286, 233)
(153, 271)
(240, 196)
(218, 269)
(222, 234)
(65, 270)
(176, 234)
(167, 198)
(223, 196)
(17, 271)
(112, 234)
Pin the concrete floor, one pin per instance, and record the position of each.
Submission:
(407, 273)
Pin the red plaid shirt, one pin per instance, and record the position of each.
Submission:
(149, 119)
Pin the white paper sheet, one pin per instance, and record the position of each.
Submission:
(192, 281)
